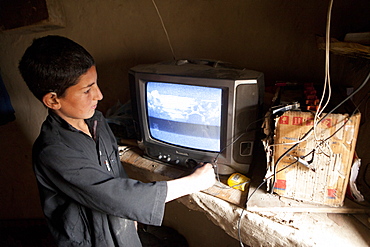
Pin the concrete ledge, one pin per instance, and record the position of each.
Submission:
(257, 228)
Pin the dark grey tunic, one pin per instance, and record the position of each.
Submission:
(86, 196)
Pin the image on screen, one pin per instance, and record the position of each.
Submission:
(185, 115)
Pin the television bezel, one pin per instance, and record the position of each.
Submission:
(170, 153)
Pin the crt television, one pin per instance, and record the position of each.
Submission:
(191, 111)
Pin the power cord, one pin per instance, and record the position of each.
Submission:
(231, 143)
(309, 131)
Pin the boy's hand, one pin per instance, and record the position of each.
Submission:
(204, 176)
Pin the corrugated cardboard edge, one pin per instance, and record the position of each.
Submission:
(339, 193)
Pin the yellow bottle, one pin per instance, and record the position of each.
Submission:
(238, 181)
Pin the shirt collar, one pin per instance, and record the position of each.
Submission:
(65, 124)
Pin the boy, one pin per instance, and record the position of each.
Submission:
(86, 196)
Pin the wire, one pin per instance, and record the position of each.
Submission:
(316, 119)
(236, 139)
(289, 143)
(309, 131)
(241, 214)
(327, 64)
(249, 197)
(231, 143)
(327, 74)
(353, 113)
(282, 169)
(307, 134)
(164, 29)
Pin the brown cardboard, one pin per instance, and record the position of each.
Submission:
(324, 178)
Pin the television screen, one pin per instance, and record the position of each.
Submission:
(185, 115)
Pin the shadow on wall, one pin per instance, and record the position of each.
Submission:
(6, 108)
(19, 193)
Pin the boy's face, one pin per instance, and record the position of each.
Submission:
(80, 101)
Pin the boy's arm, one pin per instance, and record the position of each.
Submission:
(202, 178)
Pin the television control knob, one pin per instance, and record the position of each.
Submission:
(177, 162)
(191, 163)
(160, 156)
(168, 159)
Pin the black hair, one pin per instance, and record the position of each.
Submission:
(53, 64)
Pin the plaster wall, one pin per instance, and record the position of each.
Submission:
(275, 37)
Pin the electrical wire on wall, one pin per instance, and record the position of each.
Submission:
(321, 108)
(327, 67)
(310, 131)
(327, 84)
(294, 162)
(228, 145)
(318, 118)
(164, 29)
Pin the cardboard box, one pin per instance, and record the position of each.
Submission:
(312, 162)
